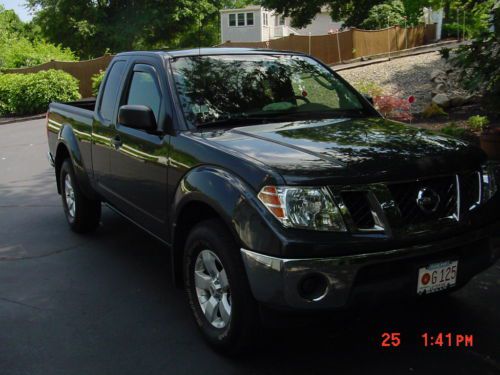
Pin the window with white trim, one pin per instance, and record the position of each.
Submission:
(249, 19)
(264, 19)
(232, 19)
(241, 19)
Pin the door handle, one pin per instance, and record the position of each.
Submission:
(116, 141)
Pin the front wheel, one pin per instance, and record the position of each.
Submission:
(83, 214)
(217, 288)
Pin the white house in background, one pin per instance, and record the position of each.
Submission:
(257, 24)
(435, 16)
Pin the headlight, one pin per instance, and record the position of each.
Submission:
(489, 181)
(303, 207)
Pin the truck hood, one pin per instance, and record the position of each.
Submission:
(369, 149)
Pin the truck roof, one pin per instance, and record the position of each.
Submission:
(211, 51)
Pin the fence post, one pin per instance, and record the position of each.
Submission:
(338, 46)
(389, 36)
(309, 43)
(406, 32)
(464, 25)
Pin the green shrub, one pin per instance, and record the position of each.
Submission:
(96, 82)
(477, 123)
(445, 53)
(454, 130)
(22, 94)
(433, 110)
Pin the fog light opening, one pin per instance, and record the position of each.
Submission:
(313, 287)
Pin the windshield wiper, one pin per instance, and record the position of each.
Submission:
(264, 118)
(235, 121)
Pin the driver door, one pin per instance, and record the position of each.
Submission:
(139, 167)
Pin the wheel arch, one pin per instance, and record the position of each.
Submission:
(211, 192)
(68, 147)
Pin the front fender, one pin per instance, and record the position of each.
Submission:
(234, 201)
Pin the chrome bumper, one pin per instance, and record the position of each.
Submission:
(50, 159)
(275, 281)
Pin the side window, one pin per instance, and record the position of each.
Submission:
(111, 88)
(232, 20)
(143, 91)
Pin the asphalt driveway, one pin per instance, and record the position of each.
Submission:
(104, 303)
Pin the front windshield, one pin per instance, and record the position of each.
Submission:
(214, 89)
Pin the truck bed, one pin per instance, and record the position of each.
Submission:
(79, 116)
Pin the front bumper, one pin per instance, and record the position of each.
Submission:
(350, 279)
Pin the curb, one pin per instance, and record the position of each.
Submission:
(21, 119)
(396, 55)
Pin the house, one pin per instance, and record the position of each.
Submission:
(257, 24)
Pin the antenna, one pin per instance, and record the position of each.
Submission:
(199, 32)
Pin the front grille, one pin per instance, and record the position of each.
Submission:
(405, 196)
(470, 190)
(359, 208)
(403, 205)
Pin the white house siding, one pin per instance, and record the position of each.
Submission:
(320, 25)
(435, 16)
(241, 33)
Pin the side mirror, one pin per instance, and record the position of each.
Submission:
(137, 117)
(369, 98)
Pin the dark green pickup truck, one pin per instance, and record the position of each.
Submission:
(273, 183)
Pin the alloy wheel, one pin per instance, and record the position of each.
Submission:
(212, 289)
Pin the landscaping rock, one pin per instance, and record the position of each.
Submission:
(441, 100)
(441, 87)
(458, 101)
(401, 77)
(437, 74)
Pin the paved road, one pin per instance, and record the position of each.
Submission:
(104, 304)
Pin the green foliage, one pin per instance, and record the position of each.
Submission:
(384, 15)
(433, 110)
(477, 15)
(20, 52)
(31, 93)
(91, 27)
(369, 88)
(21, 47)
(351, 12)
(454, 130)
(479, 65)
(96, 82)
(477, 123)
(445, 53)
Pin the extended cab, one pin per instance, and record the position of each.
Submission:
(274, 183)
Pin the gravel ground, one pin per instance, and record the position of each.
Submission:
(401, 77)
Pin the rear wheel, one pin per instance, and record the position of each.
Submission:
(83, 214)
(217, 288)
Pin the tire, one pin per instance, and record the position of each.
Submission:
(210, 243)
(82, 214)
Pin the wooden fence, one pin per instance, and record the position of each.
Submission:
(350, 44)
(81, 70)
(330, 49)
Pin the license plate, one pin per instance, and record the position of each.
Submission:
(437, 276)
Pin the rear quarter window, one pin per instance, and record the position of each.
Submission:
(110, 90)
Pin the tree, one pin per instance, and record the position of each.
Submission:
(20, 46)
(354, 12)
(91, 28)
(380, 16)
